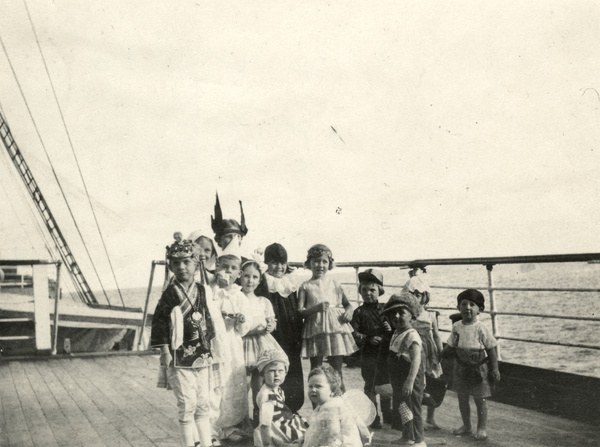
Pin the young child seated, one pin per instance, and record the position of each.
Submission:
(374, 334)
(233, 305)
(278, 425)
(405, 367)
(473, 347)
(186, 326)
(332, 423)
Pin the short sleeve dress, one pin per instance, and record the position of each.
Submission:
(259, 310)
(324, 333)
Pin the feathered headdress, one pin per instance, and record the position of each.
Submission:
(222, 226)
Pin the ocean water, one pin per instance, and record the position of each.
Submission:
(578, 360)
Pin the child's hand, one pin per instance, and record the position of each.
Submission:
(240, 318)
(407, 388)
(165, 359)
(271, 325)
(347, 315)
(386, 326)
(323, 306)
(375, 340)
(495, 375)
(222, 279)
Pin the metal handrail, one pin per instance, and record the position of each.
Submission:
(488, 263)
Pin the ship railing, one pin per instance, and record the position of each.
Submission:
(487, 262)
(45, 337)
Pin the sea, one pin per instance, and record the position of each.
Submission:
(583, 359)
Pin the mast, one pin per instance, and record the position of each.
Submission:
(83, 289)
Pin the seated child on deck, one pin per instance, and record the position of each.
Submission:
(278, 425)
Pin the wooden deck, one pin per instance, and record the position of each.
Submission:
(112, 401)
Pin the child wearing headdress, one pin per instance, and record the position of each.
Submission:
(405, 366)
(233, 305)
(188, 329)
(427, 327)
(228, 230)
(278, 425)
(374, 334)
(280, 286)
(327, 313)
(473, 347)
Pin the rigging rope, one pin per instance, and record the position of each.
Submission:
(72, 149)
(51, 165)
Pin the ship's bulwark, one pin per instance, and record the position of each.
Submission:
(113, 400)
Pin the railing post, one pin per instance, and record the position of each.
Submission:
(141, 332)
(358, 296)
(490, 274)
(56, 299)
(41, 309)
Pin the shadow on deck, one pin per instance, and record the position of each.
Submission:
(112, 401)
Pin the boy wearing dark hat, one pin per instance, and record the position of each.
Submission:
(373, 334)
(406, 370)
(476, 361)
(281, 289)
(185, 326)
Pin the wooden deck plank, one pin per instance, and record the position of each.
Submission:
(73, 414)
(156, 427)
(140, 378)
(112, 401)
(35, 418)
(126, 415)
(114, 427)
(99, 423)
(61, 431)
(15, 431)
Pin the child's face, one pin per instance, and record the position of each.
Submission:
(469, 311)
(229, 268)
(274, 374)
(183, 269)
(226, 239)
(369, 292)
(206, 248)
(401, 319)
(277, 269)
(319, 265)
(250, 279)
(319, 390)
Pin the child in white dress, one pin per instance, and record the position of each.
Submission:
(233, 305)
(261, 322)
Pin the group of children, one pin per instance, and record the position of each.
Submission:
(232, 337)
(401, 346)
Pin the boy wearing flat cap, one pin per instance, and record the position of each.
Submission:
(373, 334)
(406, 370)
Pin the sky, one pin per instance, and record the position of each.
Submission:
(386, 130)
